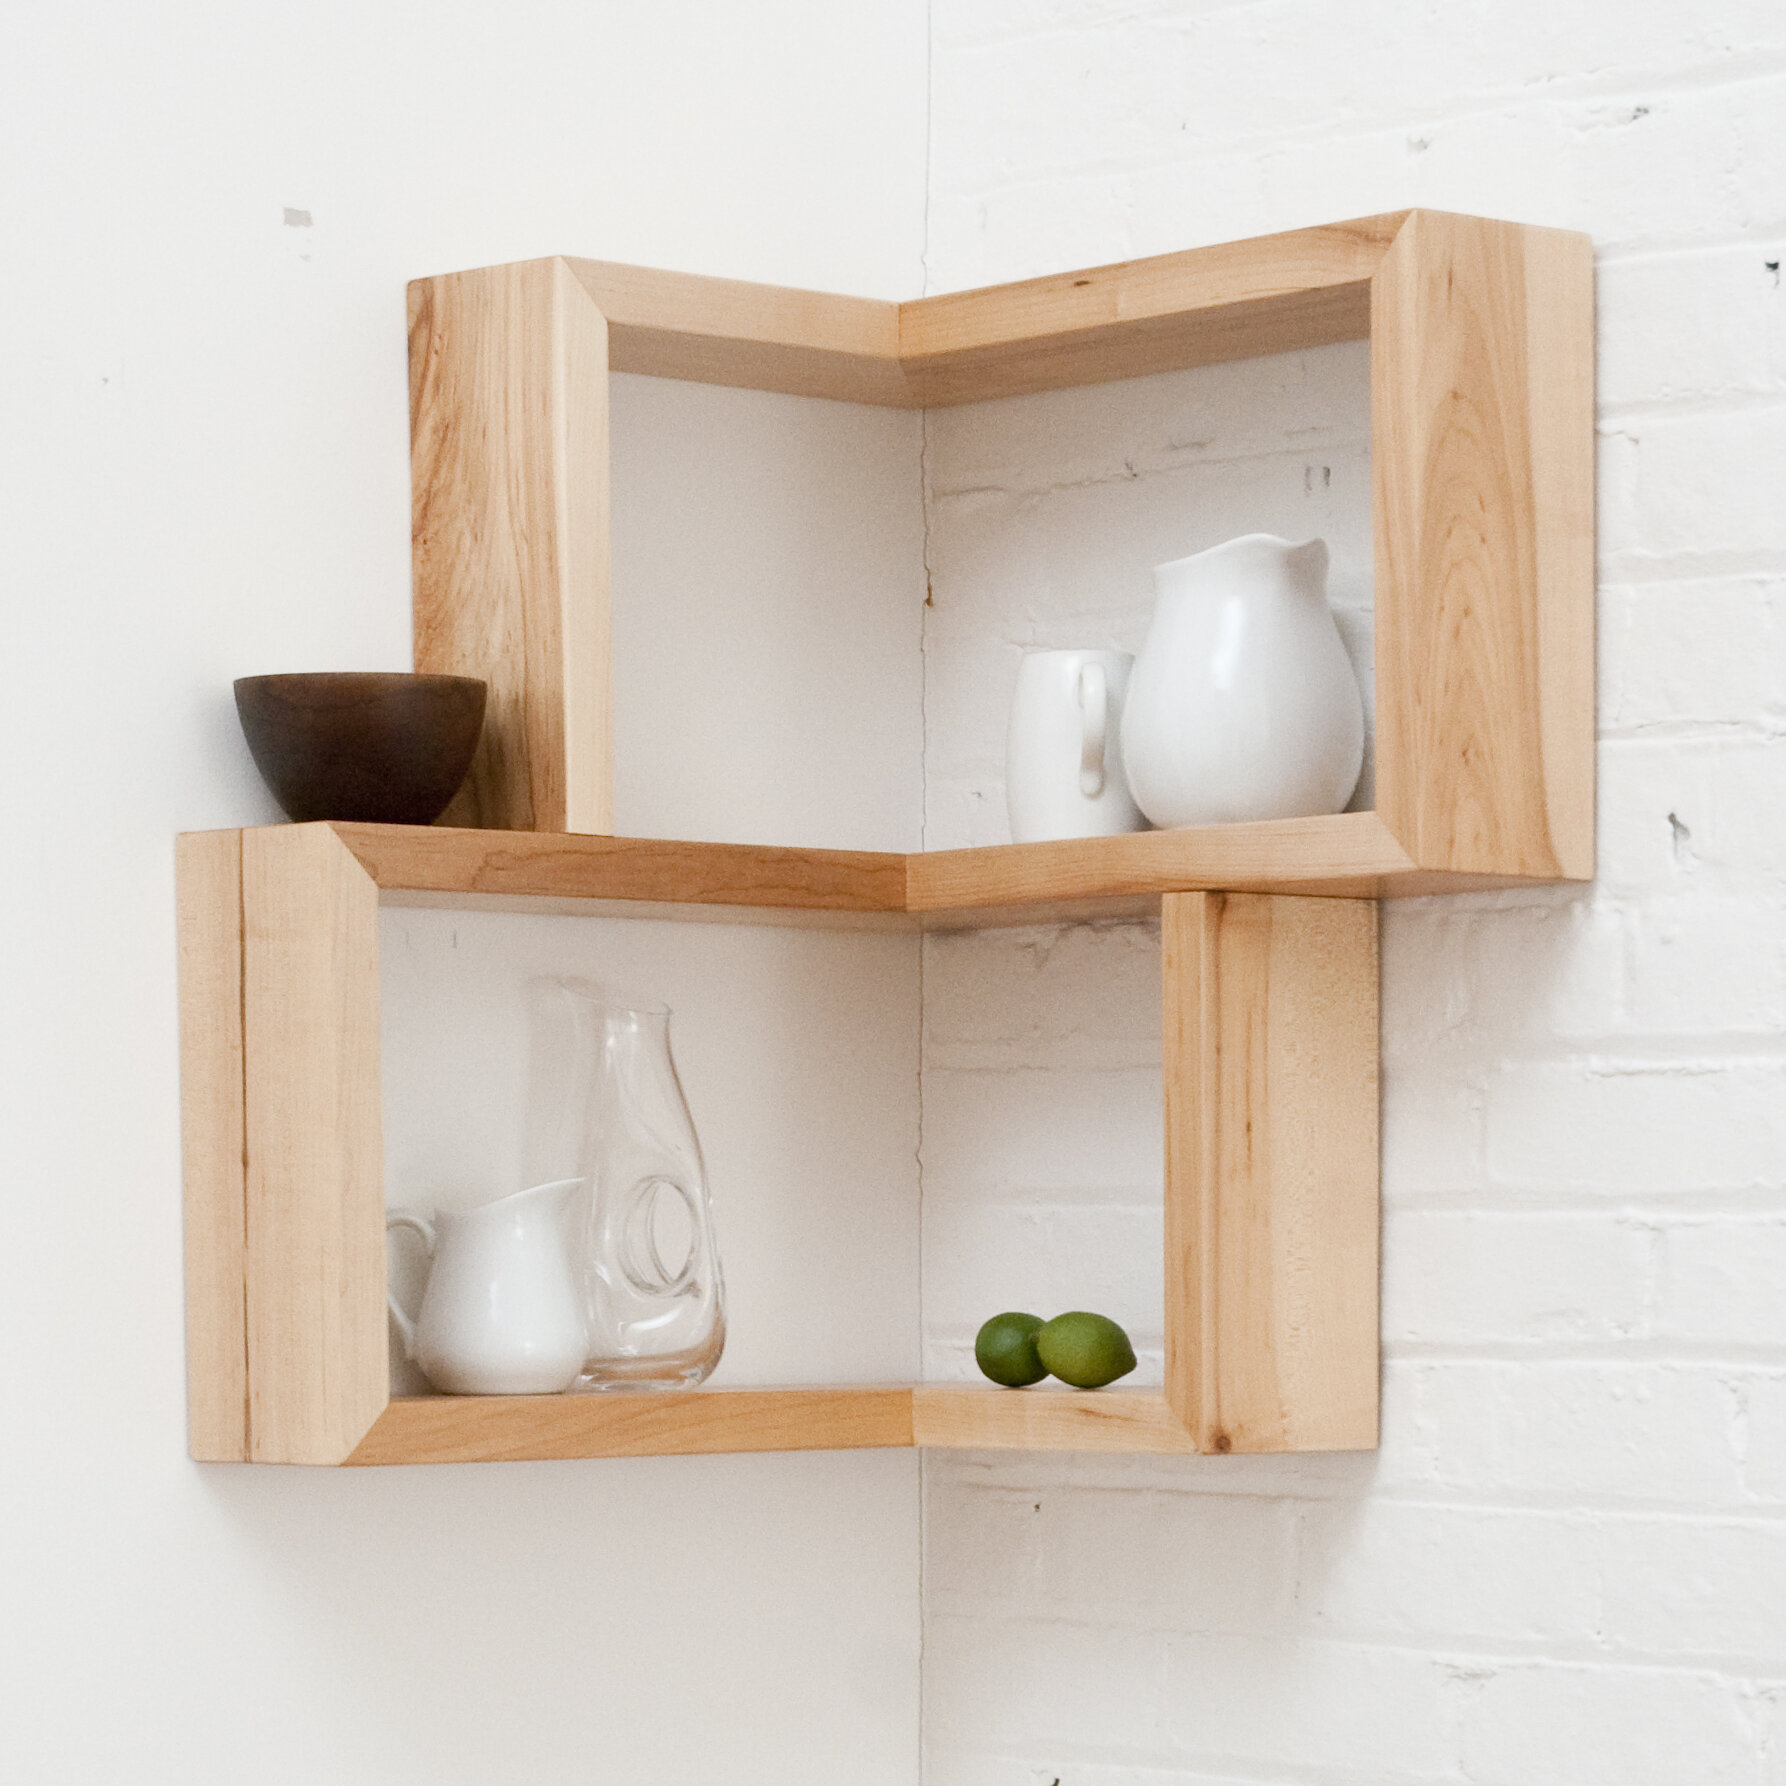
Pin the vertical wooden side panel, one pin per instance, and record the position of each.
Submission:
(1482, 399)
(508, 399)
(209, 867)
(1271, 1170)
(1189, 1063)
(318, 1366)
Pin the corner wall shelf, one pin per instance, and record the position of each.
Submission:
(1481, 340)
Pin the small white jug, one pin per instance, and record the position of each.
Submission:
(1063, 752)
(1243, 704)
(500, 1314)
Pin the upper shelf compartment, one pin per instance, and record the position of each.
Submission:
(1482, 364)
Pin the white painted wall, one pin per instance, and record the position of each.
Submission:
(203, 474)
(1567, 1567)
(768, 599)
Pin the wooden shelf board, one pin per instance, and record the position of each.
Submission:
(1348, 854)
(439, 1429)
(759, 337)
(1270, 294)
(1343, 856)
(966, 1416)
(1266, 295)
(549, 865)
(447, 1429)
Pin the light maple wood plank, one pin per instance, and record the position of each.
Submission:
(1482, 401)
(1348, 854)
(509, 489)
(1270, 1068)
(760, 337)
(1272, 294)
(1269, 295)
(966, 1417)
(480, 1429)
(440, 859)
(1560, 349)
(318, 1368)
(209, 867)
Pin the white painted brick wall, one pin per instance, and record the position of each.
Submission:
(1567, 1565)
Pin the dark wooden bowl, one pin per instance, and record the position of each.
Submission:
(387, 749)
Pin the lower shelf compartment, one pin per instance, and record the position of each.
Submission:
(1269, 1070)
(441, 1429)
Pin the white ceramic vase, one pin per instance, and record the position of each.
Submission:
(1243, 704)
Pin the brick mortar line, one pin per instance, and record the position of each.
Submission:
(1694, 731)
(1665, 1210)
(1705, 81)
(1646, 1353)
(1440, 1645)
(1196, 1480)
(1737, 405)
(1238, 1772)
(1627, 1055)
(1471, 1647)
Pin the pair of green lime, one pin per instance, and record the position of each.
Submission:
(1082, 1349)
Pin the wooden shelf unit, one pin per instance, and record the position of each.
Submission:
(1481, 340)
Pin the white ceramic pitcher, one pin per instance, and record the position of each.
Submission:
(500, 1314)
(1243, 704)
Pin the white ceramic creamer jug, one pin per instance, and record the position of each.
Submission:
(1243, 704)
(500, 1314)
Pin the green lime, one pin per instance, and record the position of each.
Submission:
(1005, 1349)
(1085, 1350)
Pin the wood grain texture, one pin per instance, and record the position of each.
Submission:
(209, 867)
(1348, 854)
(509, 487)
(440, 859)
(1482, 405)
(1269, 295)
(1270, 1066)
(318, 1367)
(962, 1417)
(1272, 294)
(760, 337)
(441, 1429)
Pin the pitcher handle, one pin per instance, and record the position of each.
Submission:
(1094, 708)
(417, 1224)
(640, 1258)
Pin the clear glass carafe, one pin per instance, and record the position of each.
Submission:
(642, 1227)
